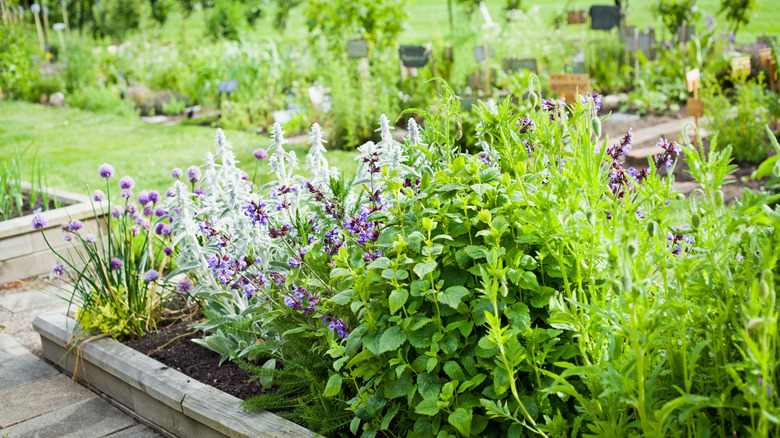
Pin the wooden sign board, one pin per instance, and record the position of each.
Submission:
(478, 81)
(642, 43)
(357, 48)
(517, 64)
(414, 56)
(570, 85)
(694, 107)
(684, 37)
(480, 54)
(766, 58)
(693, 78)
(740, 66)
(576, 17)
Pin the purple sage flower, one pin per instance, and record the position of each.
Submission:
(98, 196)
(126, 182)
(193, 173)
(39, 221)
(260, 154)
(176, 173)
(106, 170)
(184, 285)
(58, 269)
(115, 263)
(151, 275)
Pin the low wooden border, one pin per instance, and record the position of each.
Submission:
(165, 397)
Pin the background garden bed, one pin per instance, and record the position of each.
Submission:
(174, 402)
(23, 251)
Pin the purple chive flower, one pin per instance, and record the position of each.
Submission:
(39, 221)
(167, 250)
(151, 275)
(126, 182)
(115, 263)
(90, 238)
(260, 154)
(98, 196)
(126, 193)
(193, 173)
(136, 230)
(58, 270)
(154, 196)
(184, 285)
(159, 211)
(131, 208)
(75, 225)
(147, 211)
(106, 170)
(176, 173)
(67, 237)
(170, 193)
(200, 191)
(143, 197)
(117, 211)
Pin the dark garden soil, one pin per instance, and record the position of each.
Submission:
(27, 208)
(172, 345)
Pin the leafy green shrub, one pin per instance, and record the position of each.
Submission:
(116, 19)
(674, 12)
(225, 20)
(18, 73)
(744, 118)
(174, 106)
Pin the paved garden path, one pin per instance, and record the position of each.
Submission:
(37, 400)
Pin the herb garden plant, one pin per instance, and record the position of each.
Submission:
(536, 287)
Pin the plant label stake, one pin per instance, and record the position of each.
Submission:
(740, 66)
(65, 17)
(576, 17)
(36, 10)
(59, 27)
(227, 88)
(357, 48)
(768, 61)
(46, 24)
(570, 85)
(604, 17)
(481, 54)
(694, 107)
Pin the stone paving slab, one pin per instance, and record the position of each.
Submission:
(17, 369)
(29, 300)
(38, 398)
(91, 418)
(137, 431)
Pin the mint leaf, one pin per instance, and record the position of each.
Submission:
(429, 406)
(391, 339)
(423, 269)
(453, 296)
(461, 420)
(333, 387)
(397, 299)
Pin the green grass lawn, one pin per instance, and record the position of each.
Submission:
(429, 19)
(72, 144)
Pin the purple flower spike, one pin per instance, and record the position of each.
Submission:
(58, 270)
(39, 221)
(193, 173)
(151, 275)
(184, 285)
(260, 154)
(176, 173)
(126, 182)
(98, 196)
(106, 170)
(116, 263)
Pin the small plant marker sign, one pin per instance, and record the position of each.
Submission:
(517, 64)
(576, 17)
(768, 61)
(694, 107)
(570, 85)
(740, 66)
(357, 48)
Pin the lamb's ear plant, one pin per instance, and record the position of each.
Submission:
(112, 265)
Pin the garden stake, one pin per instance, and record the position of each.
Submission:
(693, 79)
(46, 23)
(36, 9)
(65, 17)
(767, 60)
(636, 55)
(58, 28)
(4, 12)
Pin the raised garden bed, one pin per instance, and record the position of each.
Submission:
(23, 251)
(174, 402)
